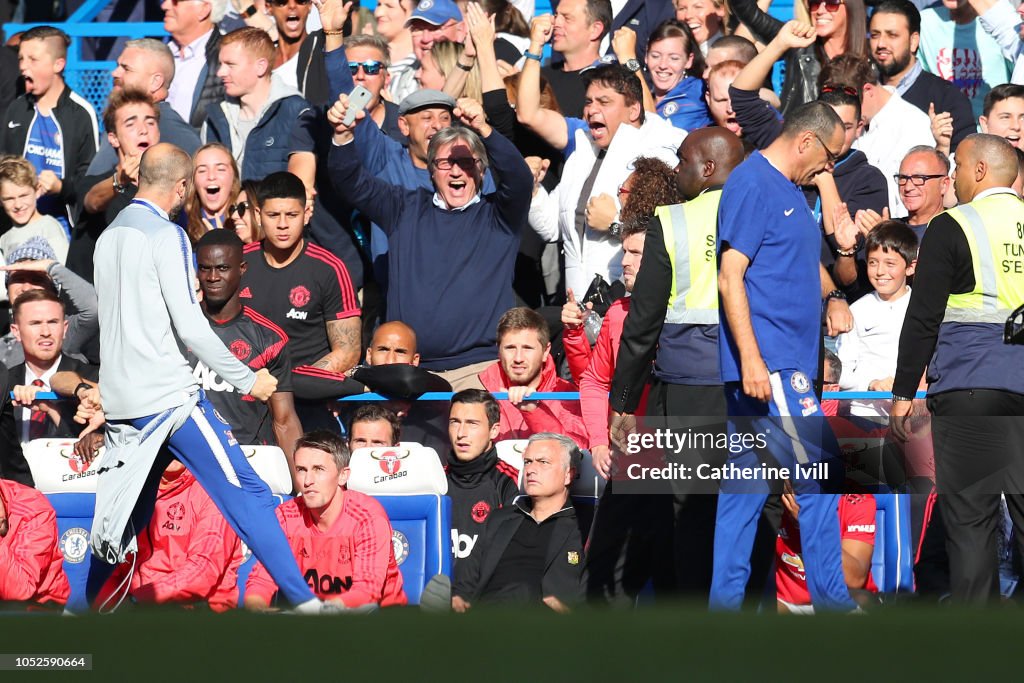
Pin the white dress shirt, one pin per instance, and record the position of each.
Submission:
(188, 65)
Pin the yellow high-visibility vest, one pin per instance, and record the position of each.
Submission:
(690, 231)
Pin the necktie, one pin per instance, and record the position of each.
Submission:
(37, 428)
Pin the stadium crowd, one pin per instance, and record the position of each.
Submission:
(285, 202)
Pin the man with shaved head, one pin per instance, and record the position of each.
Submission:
(673, 320)
(147, 65)
(393, 342)
(970, 278)
(154, 406)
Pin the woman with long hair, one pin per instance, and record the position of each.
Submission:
(841, 27)
(442, 62)
(243, 215)
(215, 186)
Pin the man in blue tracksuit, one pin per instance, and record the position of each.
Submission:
(145, 284)
(771, 286)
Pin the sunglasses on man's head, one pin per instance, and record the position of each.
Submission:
(371, 67)
(284, 3)
(832, 87)
(830, 5)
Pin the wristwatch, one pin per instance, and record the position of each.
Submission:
(896, 398)
(615, 230)
(632, 65)
(836, 294)
(249, 11)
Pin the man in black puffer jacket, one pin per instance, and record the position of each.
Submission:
(478, 482)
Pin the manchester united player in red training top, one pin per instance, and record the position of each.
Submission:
(340, 538)
(253, 339)
(857, 533)
(188, 554)
(29, 554)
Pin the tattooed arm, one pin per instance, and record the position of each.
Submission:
(345, 339)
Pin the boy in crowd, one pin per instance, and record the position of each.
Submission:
(19, 192)
(51, 126)
(868, 352)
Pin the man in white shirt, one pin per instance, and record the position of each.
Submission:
(893, 124)
(194, 43)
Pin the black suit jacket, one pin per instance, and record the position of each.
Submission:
(564, 574)
(643, 16)
(68, 428)
(929, 89)
(13, 465)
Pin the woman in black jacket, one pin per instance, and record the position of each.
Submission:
(841, 26)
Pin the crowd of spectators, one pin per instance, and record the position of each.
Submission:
(485, 220)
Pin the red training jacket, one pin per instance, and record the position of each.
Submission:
(353, 561)
(30, 557)
(561, 417)
(593, 369)
(188, 553)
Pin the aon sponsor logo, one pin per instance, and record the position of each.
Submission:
(462, 544)
(210, 380)
(325, 584)
(296, 315)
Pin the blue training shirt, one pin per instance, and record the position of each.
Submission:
(764, 216)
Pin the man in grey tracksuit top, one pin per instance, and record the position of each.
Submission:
(148, 312)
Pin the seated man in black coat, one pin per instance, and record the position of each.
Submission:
(531, 552)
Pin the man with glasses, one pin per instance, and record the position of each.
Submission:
(923, 180)
(455, 238)
(893, 124)
(769, 248)
(195, 44)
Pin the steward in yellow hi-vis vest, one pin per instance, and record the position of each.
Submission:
(673, 320)
(969, 279)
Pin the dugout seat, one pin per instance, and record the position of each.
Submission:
(421, 534)
(56, 469)
(397, 470)
(892, 562)
(74, 526)
(271, 465)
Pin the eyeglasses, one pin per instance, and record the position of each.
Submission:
(370, 68)
(467, 164)
(830, 5)
(832, 87)
(832, 157)
(240, 208)
(284, 3)
(624, 190)
(918, 179)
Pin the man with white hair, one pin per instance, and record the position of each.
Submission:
(147, 65)
(195, 44)
(531, 551)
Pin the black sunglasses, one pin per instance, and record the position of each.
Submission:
(467, 164)
(918, 179)
(240, 208)
(830, 5)
(371, 67)
(284, 3)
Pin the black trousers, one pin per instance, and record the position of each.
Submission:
(978, 437)
(667, 539)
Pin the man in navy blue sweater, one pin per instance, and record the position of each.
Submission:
(452, 250)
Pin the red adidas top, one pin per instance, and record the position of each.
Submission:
(857, 522)
(30, 557)
(187, 554)
(353, 561)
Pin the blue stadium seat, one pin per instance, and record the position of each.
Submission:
(892, 564)
(74, 524)
(421, 533)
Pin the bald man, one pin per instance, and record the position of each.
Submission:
(675, 324)
(393, 343)
(147, 65)
(970, 279)
(146, 286)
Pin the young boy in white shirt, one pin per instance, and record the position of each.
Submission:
(19, 191)
(868, 352)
